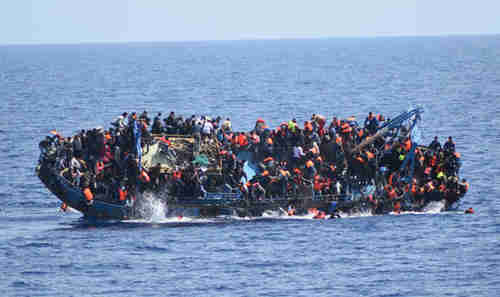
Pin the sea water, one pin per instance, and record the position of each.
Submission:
(45, 252)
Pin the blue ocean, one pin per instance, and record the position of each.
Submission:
(45, 252)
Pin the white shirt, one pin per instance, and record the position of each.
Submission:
(297, 152)
(207, 128)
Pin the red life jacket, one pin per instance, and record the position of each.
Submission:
(392, 194)
(243, 140)
(99, 167)
(122, 194)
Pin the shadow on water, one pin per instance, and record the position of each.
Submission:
(86, 224)
(174, 222)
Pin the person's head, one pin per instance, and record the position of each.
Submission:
(449, 138)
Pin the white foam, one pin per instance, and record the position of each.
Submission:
(434, 207)
(151, 208)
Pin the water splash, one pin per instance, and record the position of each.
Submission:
(151, 208)
(434, 207)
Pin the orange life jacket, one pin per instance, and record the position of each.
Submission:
(407, 145)
(308, 126)
(144, 177)
(433, 161)
(177, 175)
(414, 189)
(284, 172)
(235, 139)
(392, 194)
(165, 140)
(88, 194)
(427, 170)
(346, 128)
(243, 140)
(268, 159)
(370, 155)
(317, 185)
(391, 178)
(397, 207)
(320, 215)
(122, 194)
(64, 206)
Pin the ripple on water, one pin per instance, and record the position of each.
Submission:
(71, 87)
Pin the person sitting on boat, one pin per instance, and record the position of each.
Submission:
(157, 127)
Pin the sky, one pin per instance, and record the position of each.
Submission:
(66, 21)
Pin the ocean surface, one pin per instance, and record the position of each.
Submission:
(44, 252)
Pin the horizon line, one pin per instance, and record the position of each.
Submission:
(110, 42)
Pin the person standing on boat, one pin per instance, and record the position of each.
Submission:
(207, 129)
(371, 123)
(449, 146)
(435, 145)
(298, 154)
(120, 121)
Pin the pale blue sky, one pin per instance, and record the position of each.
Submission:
(67, 21)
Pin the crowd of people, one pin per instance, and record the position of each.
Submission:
(317, 158)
